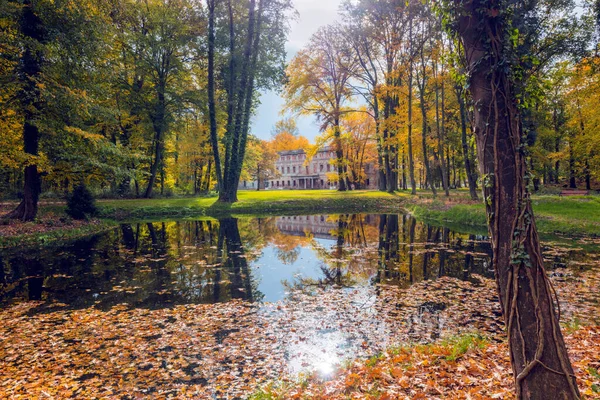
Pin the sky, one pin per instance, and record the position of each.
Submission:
(312, 15)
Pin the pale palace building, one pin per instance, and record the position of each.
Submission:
(294, 174)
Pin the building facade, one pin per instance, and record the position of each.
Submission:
(294, 172)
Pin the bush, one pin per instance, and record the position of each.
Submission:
(81, 203)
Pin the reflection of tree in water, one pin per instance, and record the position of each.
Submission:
(235, 263)
(341, 263)
(144, 265)
(410, 252)
(287, 257)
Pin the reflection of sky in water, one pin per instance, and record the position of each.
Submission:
(320, 339)
(270, 272)
(315, 342)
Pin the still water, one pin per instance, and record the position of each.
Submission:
(161, 264)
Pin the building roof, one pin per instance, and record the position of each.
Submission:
(301, 151)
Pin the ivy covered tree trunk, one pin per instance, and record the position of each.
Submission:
(538, 354)
(30, 69)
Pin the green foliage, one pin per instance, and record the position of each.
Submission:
(459, 345)
(81, 203)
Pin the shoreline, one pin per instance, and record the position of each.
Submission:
(576, 216)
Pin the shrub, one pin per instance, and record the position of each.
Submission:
(81, 203)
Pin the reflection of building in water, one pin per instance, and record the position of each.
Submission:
(320, 226)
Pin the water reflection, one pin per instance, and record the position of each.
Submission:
(257, 259)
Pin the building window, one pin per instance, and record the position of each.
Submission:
(315, 168)
(307, 170)
(288, 183)
(294, 169)
(328, 167)
(368, 181)
(321, 182)
(277, 183)
(321, 168)
(294, 186)
(288, 170)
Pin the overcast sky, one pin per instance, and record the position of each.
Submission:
(313, 15)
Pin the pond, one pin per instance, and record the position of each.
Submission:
(159, 264)
(301, 292)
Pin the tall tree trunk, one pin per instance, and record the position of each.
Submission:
(232, 91)
(381, 179)
(386, 143)
(590, 155)
(212, 111)
(339, 152)
(248, 100)
(30, 69)
(411, 160)
(239, 136)
(469, 169)
(572, 176)
(208, 176)
(556, 147)
(441, 132)
(428, 175)
(158, 123)
(539, 358)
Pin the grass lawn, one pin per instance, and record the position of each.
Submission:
(567, 215)
(258, 203)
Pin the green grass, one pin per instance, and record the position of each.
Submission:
(566, 215)
(459, 345)
(256, 203)
(572, 216)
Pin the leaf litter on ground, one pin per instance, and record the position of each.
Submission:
(434, 339)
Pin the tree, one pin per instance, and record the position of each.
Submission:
(255, 61)
(169, 30)
(286, 125)
(49, 48)
(423, 73)
(539, 357)
(259, 164)
(285, 141)
(35, 36)
(460, 93)
(318, 84)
